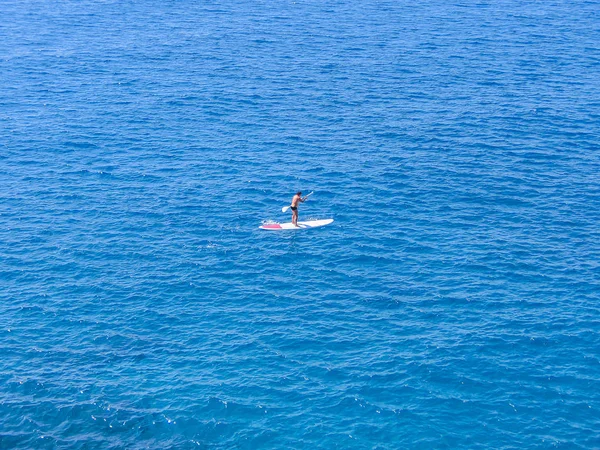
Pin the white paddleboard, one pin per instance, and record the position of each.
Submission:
(301, 225)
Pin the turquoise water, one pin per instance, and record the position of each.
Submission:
(453, 303)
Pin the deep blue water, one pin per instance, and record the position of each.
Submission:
(453, 303)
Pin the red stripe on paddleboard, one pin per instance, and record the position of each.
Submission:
(275, 226)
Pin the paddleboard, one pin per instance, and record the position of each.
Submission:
(301, 225)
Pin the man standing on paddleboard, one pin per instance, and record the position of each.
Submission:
(295, 201)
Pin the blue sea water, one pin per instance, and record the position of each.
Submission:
(453, 303)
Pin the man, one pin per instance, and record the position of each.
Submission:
(295, 201)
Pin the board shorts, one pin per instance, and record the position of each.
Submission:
(294, 208)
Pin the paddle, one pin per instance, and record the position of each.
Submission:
(285, 208)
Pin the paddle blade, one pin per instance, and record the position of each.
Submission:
(285, 208)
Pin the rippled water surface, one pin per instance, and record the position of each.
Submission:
(453, 303)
